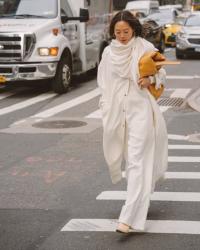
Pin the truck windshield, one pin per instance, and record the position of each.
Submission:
(28, 8)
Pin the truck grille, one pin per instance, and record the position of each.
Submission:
(16, 47)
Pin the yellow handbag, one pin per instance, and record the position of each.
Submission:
(149, 64)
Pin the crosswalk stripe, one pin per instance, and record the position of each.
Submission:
(182, 77)
(183, 159)
(69, 104)
(178, 175)
(95, 115)
(178, 137)
(179, 146)
(156, 196)
(152, 226)
(180, 93)
(182, 175)
(26, 103)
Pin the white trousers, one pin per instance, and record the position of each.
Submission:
(139, 156)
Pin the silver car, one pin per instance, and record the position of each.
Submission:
(188, 38)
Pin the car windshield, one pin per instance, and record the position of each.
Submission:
(193, 21)
(162, 17)
(28, 8)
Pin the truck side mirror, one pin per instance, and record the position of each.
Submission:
(64, 19)
(84, 15)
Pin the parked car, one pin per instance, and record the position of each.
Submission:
(168, 18)
(153, 33)
(188, 39)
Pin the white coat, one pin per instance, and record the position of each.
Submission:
(114, 79)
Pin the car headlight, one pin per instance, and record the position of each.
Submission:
(53, 51)
(168, 25)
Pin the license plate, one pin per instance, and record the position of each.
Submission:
(197, 49)
(2, 79)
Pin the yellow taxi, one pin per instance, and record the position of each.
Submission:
(171, 20)
(170, 30)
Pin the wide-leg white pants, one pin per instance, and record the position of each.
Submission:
(139, 155)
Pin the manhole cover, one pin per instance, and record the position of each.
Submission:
(173, 102)
(59, 124)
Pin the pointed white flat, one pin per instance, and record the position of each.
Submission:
(123, 228)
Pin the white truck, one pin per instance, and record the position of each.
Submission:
(51, 39)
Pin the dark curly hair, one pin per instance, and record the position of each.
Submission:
(128, 17)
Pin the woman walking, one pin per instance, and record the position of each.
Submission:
(133, 125)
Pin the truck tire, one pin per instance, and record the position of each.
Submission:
(63, 77)
(179, 54)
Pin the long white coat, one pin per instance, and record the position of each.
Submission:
(114, 91)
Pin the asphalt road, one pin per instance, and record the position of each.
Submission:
(55, 191)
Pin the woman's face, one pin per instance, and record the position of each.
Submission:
(123, 32)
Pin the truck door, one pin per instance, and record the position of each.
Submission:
(70, 29)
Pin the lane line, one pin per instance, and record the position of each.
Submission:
(180, 93)
(178, 175)
(182, 77)
(182, 175)
(192, 147)
(156, 196)
(26, 103)
(183, 159)
(152, 226)
(69, 104)
(178, 137)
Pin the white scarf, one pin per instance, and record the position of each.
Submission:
(121, 56)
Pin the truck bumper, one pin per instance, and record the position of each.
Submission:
(33, 71)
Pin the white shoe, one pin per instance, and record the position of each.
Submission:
(123, 228)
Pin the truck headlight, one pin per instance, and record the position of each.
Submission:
(53, 51)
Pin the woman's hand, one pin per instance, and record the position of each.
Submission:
(144, 82)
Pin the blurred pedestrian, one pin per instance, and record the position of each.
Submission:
(134, 128)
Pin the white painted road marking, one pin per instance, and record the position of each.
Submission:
(178, 175)
(69, 104)
(156, 196)
(179, 146)
(26, 103)
(183, 159)
(152, 226)
(180, 93)
(182, 77)
(178, 137)
(182, 175)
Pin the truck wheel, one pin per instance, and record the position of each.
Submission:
(179, 54)
(63, 77)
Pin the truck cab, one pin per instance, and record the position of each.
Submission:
(49, 39)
